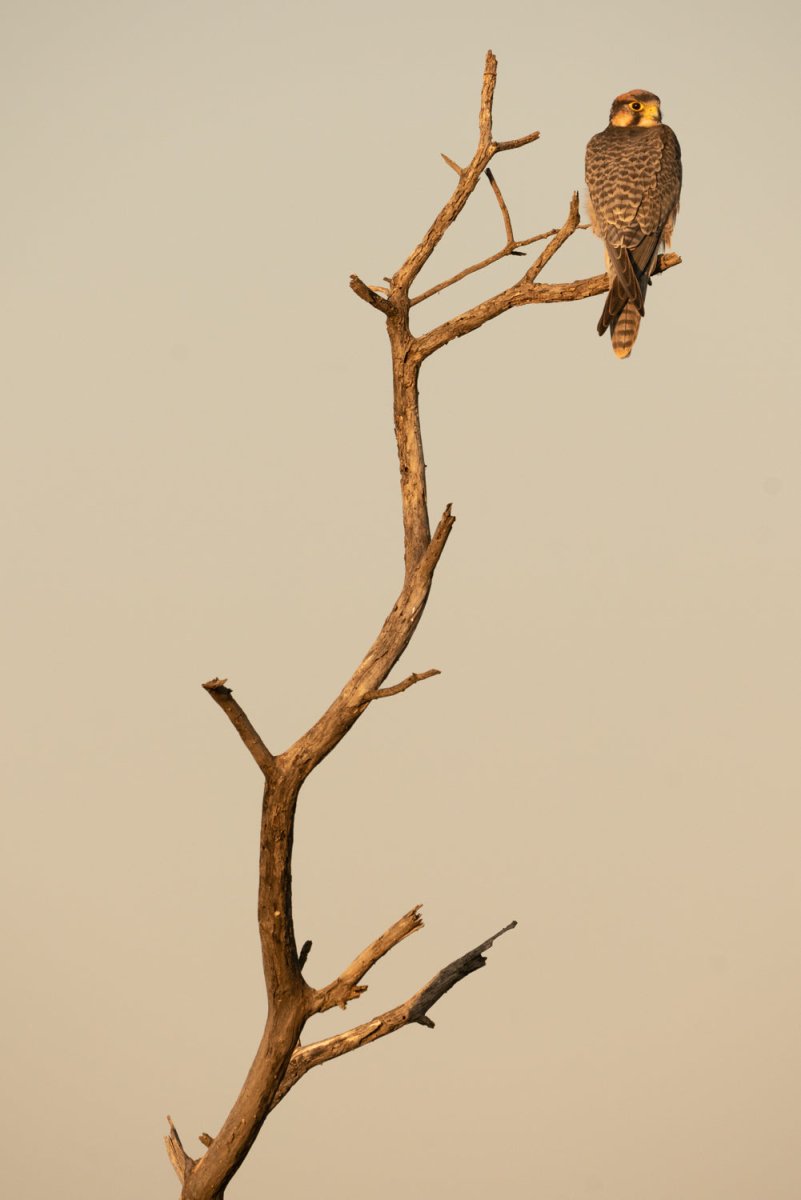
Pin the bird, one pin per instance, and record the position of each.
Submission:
(633, 173)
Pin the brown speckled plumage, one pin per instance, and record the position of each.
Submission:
(633, 171)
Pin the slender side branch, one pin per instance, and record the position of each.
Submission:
(507, 220)
(516, 143)
(413, 1010)
(568, 229)
(396, 689)
(513, 248)
(238, 718)
(346, 986)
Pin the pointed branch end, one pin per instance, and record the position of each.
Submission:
(396, 689)
(180, 1160)
(453, 165)
(436, 988)
(446, 522)
(574, 209)
(516, 143)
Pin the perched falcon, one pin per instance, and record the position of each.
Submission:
(633, 171)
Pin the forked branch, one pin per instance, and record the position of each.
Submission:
(486, 150)
(280, 1059)
(513, 246)
(413, 1011)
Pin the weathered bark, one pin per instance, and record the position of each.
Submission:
(280, 1061)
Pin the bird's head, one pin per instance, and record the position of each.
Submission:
(636, 108)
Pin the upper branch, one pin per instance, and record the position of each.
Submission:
(568, 229)
(487, 97)
(468, 178)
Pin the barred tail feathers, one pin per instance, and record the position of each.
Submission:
(624, 330)
(630, 272)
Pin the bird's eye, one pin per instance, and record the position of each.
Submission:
(635, 104)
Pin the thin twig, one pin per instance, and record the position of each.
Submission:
(516, 143)
(241, 723)
(511, 248)
(507, 220)
(454, 166)
(568, 229)
(396, 689)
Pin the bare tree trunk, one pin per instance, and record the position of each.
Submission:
(280, 1060)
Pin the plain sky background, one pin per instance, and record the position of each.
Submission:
(199, 479)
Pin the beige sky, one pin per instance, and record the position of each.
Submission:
(199, 479)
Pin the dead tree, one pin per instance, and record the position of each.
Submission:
(280, 1059)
